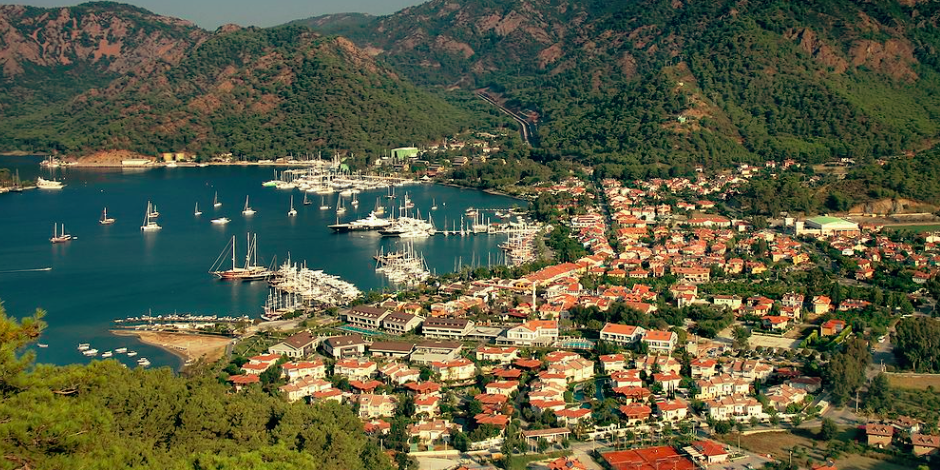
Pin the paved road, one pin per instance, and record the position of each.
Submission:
(882, 354)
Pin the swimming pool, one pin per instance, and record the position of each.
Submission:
(575, 344)
(362, 331)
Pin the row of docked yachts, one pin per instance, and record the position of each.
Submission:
(314, 181)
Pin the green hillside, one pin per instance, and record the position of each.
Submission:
(258, 93)
(654, 87)
(105, 416)
(331, 24)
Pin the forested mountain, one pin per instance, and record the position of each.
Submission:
(108, 76)
(329, 24)
(48, 56)
(637, 89)
(653, 86)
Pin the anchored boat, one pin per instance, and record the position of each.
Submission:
(149, 225)
(105, 220)
(60, 236)
(251, 271)
(292, 212)
(248, 210)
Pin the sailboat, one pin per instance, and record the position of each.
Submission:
(17, 184)
(355, 200)
(60, 237)
(433, 204)
(340, 209)
(149, 225)
(215, 201)
(251, 271)
(197, 212)
(292, 212)
(105, 220)
(248, 210)
(323, 205)
(379, 208)
(307, 200)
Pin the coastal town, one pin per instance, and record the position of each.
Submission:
(678, 327)
(470, 235)
(630, 325)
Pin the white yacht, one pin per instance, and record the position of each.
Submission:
(415, 234)
(221, 220)
(43, 183)
(407, 225)
(372, 222)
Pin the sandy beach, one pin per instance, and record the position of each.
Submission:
(189, 347)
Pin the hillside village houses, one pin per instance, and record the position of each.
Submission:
(530, 346)
(296, 346)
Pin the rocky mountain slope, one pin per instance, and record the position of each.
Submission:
(107, 37)
(109, 76)
(48, 56)
(652, 86)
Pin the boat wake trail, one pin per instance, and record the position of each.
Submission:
(12, 271)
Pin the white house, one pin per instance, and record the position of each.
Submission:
(621, 334)
(533, 332)
(660, 341)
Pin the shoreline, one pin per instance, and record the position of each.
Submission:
(160, 164)
(493, 192)
(185, 346)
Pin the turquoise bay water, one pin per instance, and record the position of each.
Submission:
(116, 271)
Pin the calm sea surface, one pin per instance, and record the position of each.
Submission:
(116, 271)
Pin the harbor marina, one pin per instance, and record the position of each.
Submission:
(166, 269)
(295, 287)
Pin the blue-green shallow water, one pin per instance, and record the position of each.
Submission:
(116, 271)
